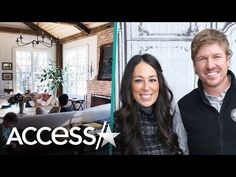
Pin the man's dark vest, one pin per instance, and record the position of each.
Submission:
(208, 131)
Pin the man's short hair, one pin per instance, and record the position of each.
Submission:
(63, 99)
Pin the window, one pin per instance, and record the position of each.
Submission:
(81, 58)
(75, 82)
(28, 68)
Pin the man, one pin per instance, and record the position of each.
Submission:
(205, 118)
(63, 100)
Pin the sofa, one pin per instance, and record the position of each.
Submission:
(61, 119)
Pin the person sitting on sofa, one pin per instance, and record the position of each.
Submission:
(40, 99)
(9, 120)
(63, 100)
(43, 99)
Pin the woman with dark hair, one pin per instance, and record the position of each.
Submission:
(145, 118)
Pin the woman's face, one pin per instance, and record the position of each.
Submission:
(145, 84)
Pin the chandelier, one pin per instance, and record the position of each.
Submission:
(40, 39)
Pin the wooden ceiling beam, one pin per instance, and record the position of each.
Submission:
(82, 28)
(101, 28)
(17, 30)
(79, 26)
(82, 35)
(37, 28)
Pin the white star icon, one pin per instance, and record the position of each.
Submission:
(107, 136)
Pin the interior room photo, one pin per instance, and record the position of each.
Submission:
(42, 60)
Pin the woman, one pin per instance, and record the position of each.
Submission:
(145, 120)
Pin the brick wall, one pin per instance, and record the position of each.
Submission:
(96, 86)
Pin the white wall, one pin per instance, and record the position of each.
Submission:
(7, 44)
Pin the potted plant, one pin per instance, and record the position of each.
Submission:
(19, 99)
(52, 77)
